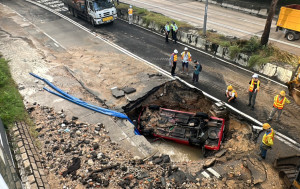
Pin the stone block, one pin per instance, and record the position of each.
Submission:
(20, 144)
(39, 182)
(242, 59)
(36, 174)
(29, 153)
(44, 179)
(31, 179)
(31, 159)
(24, 156)
(47, 186)
(283, 74)
(263, 12)
(33, 186)
(269, 69)
(27, 147)
(22, 150)
(34, 166)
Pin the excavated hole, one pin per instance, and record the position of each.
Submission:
(176, 96)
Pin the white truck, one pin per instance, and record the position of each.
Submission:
(94, 11)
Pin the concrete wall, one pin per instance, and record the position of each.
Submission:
(280, 73)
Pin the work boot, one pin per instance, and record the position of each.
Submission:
(269, 119)
(249, 104)
(252, 107)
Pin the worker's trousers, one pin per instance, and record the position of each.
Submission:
(130, 19)
(263, 151)
(173, 68)
(274, 110)
(252, 98)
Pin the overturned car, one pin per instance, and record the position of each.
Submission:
(189, 128)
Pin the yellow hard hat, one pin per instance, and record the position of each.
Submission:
(266, 126)
(282, 93)
(229, 88)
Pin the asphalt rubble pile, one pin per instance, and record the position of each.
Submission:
(81, 155)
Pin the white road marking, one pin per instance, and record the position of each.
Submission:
(215, 173)
(218, 24)
(56, 45)
(156, 67)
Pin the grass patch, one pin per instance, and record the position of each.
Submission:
(11, 104)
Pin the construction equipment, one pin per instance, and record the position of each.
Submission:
(94, 11)
(289, 168)
(289, 21)
(294, 85)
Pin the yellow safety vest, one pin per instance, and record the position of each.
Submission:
(189, 56)
(130, 11)
(279, 104)
(235, 93)
(268, 138)
(251, 87)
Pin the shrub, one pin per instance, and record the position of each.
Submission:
(252, 45)
(257, 60)
(233, 51)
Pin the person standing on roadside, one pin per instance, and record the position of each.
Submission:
(174, 30)
(253, 90)
(186, 57)
(130, 14)
(279, 101)
(198, 69)
(167, 31)
(267, 140)
(173, 61)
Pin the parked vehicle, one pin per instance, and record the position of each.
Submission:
(183, 127)
(94, 11)
(289, 21)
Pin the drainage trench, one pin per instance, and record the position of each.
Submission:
(177, 96)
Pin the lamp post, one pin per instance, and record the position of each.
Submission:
(205, 18)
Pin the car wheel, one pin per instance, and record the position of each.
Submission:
(92, 22)
(290, 36)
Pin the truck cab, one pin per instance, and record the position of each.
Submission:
(94, 11)
(102, 11)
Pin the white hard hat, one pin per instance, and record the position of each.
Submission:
(175, 51)
(255, 76)
(130, 6)
(185, 48)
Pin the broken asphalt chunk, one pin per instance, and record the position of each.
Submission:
(117, 93)
(129, 90)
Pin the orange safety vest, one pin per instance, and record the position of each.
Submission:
(266, 138)
(235, 93)
(189, 56)
(174, 57)
(130, 11)
(251, 87)
(279, 104)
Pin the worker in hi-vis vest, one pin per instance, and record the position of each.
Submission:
(279, 101)
(253, 90)
(267, 140)
(130, 14)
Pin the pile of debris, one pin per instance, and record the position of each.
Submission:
(80, 155)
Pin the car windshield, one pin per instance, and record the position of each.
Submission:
(102, 4)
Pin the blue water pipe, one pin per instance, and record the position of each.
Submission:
(77, 101)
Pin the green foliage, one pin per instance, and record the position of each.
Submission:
(11, 104)
(257, 60)
(234, 51)
(251, 45)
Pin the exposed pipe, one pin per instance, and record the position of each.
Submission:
(77, 101)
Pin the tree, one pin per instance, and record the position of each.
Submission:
(265, 36)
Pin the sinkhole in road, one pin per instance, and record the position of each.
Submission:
(175, 119)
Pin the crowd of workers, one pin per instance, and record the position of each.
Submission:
(231, 94)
